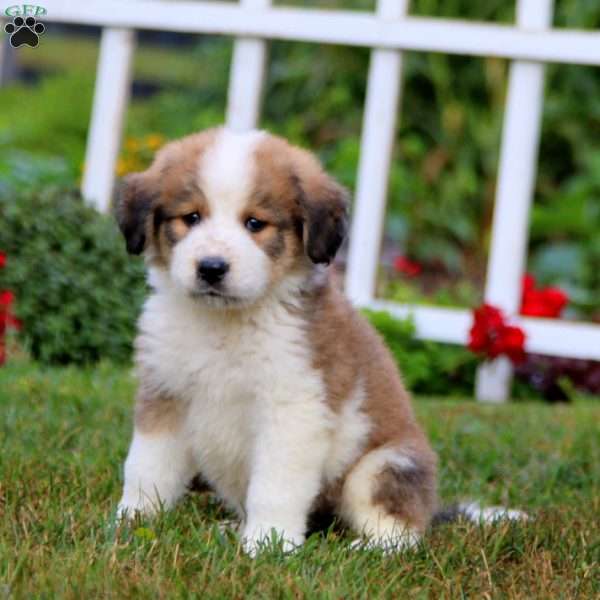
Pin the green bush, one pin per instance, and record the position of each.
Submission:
(427, 367)
(77, 291)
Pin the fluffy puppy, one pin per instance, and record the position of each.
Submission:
(254, 371)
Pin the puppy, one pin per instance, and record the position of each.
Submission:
(254, 371)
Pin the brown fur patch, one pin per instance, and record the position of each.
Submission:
(153, 200)
(272, 201)
(300, 196)
(346, 349)
(156, 412)
(409, 494)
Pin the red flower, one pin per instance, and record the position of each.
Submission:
(511, 343)
(407, 267)
(6, 299)
(490, 335)
(546, 302)
(6, 318)
(528, 282)
(487, 323)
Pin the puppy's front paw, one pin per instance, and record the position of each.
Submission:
(390, 544)
(126, 511)
(259, 537)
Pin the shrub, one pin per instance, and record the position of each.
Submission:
(427, 367)
(79, 292)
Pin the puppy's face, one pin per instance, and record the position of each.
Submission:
(228, 216)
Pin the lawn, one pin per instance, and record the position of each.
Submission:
(64, 434)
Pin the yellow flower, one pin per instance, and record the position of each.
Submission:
(154, 141)
(132, 145)
(124, 166)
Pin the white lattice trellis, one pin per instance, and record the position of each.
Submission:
(388, 31)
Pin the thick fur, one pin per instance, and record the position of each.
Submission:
(267, 384)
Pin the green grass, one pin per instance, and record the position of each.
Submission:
(64, 435)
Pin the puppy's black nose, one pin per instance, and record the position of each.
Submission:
(212, 269)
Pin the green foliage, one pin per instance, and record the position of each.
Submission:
(572, 219)
(50, 122)
(410, 291)
(427, 367)
(77, 291)
(443, 172)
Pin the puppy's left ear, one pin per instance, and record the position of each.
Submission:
(134, 205)
(324, 203)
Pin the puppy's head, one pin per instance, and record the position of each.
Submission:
(228, 216)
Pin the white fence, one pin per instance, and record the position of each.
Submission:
(529, 44)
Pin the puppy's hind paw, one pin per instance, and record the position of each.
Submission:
(390, 544)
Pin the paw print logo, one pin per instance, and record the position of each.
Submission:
(24, 31)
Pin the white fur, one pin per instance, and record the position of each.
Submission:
(157, 471)
(257, 426)
(226, 170)
(350, 435)
(358, 509)
(491, 514)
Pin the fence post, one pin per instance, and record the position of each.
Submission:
(247, 77)
(379, 124)
(111, 96)
(516, 178)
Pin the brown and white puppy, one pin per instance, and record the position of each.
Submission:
(254, 371)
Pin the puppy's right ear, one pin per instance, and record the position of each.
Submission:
(134, 205)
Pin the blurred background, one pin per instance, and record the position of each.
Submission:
(441, 189)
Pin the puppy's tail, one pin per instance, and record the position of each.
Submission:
(474, 512)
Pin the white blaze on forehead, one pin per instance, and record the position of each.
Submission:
(226, 170)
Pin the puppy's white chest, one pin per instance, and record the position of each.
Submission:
(220, 430)
(235, 376)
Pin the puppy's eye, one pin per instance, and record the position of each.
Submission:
(192, 219)
(255, 225)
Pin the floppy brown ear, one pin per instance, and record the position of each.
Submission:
(324, 204)
(134, 204)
